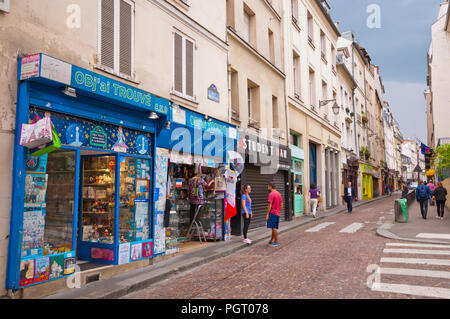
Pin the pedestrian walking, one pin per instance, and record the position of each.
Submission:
(404, 190)
(314, 193)
(246, 211)
(391, 189)
(432, 187)
(349, 196)
(423, 194)
(275, 205)
(440, 196)
(387, 189)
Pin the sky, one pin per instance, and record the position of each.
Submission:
(398, 44)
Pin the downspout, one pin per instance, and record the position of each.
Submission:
(353, 101)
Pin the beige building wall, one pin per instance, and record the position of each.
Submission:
(311, 77)
(439, 77)
(256, 62)
(45, 26)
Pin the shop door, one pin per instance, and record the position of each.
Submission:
(96, 227)
(312, 163)
(279, 179)
(135, 201)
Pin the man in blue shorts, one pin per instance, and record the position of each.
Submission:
(273, 213)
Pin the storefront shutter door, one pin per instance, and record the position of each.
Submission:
(280, 184)
(189, 68)
(126, 34)
(259, 194)
(107, 34)
(178, 63)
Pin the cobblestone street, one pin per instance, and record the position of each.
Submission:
(328, 261)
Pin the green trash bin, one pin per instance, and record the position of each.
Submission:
(401, 210)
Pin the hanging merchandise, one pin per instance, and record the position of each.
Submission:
(37, 133)
(234, 169)
(51, 146)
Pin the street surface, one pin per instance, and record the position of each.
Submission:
(332, 258)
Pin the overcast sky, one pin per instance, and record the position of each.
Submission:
(399, 47)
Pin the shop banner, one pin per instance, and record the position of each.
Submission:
(78, 132)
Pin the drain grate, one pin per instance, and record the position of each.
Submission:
(92, 278)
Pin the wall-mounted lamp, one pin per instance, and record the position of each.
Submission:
(70, 91)
(153, 116)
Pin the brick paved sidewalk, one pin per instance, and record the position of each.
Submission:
(132, 281)
(435, 230)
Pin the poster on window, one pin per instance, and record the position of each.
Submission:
(56, 266)
(26, 276)
(33, 229)
(42, 269)
(124, 253)
(136, 252)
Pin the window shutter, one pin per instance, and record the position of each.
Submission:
(178, 67)
(126, 11)
(4, 5)
(189, 68)
(107, 34)
(246, 27)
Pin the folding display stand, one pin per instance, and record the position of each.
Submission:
(198, 226)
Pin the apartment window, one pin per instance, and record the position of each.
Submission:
(249, 26)
(310, 28)
(275, 113)
(230, 13)
(253, 102)
(296, 74)
(323, 45)
(312, 88)
(333, 58)
(295, 139)
(271, 46)
(234, 94)
(294, 5)
(116, 37)
(184, 65)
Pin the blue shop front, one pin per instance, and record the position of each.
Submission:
(193, 143)
(91, 199)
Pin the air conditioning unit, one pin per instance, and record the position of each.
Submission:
(4, 5)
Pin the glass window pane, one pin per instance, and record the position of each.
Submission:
(134, 200)
(98, 199)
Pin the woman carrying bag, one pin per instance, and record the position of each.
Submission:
(314, 195)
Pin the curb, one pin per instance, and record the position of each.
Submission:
(158, 277)
(387, 234)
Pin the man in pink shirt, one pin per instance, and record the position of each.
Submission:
(273, 213)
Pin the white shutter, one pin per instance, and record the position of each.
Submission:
(107, 34)
(4, 5)
(189, 68)
(246, 27)
(126, 36)
(178, 63)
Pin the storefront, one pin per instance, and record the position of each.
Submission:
(350, 172)
(91, 199)
(265, 162)
(193, 144)
(332, 171)
(296, 181)
(367, 182)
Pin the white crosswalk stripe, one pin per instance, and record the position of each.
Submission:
(396, 259)
(433, 236)
(351, 229)
(319, 227)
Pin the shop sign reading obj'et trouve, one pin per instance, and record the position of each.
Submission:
(41, 65)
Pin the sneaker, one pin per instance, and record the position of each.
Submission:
(275, 245)
(247, 241)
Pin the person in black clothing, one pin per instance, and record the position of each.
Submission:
(439, 195)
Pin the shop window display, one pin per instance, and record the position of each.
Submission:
(178, 193)
(134, 200)
(98, 199)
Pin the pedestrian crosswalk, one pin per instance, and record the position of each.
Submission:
(428, 262)
(350, 229)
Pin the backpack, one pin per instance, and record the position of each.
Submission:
(421, 192)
